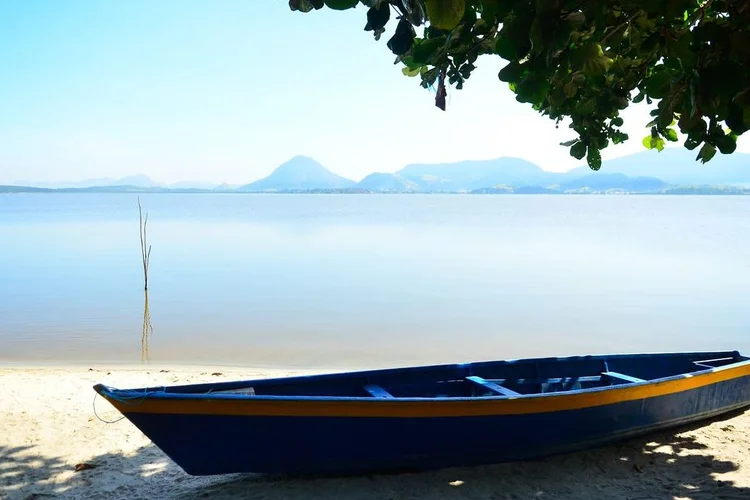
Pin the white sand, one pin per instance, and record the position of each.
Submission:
(47, 426)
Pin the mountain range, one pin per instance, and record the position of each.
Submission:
(674, 170)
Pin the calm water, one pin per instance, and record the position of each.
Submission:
(370, 280)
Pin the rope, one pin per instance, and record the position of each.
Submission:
(100, 418)
(126, 400)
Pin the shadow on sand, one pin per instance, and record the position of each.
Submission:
(667, 465)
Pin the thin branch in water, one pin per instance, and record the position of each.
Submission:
(145, 247)
(148, 329)
(146, 258)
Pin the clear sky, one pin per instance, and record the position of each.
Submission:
(226, 90)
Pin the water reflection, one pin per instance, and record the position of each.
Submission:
(147, 329)
(383, 280)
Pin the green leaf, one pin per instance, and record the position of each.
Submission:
(569, 143)
(694, 125)
(532, 89)
(561, 36)
(490, 9)
(576, 19)
(402, 39)
(670, 134)
(736, 118)
(726, 144)
(586, 107)
(409, 62)
(378, 16)
(578, 150)
(594, 159)
(341, 4)
(597, 66)
(706, 153)
(411, 72)
(651, 142)
(512, 72)
(743, 98)
(537, 37)
(691, 143)
(618, 122)
(546, 7)
(445, 14)
(682, 50)
(657, 85)
(591, 59)
(505, 47)
(665, 116)
(619, 137)
(305, 5)
(423, 50)
(570, 89)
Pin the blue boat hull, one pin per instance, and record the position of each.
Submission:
(285, 444)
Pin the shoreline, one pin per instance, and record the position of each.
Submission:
(48, 425)
(191, 367)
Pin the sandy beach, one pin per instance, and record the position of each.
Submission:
(48, 426)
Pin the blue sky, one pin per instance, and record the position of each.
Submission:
(227, 90)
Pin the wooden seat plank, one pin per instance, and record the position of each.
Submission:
(377, 391)
(625, 378)
(499, 389)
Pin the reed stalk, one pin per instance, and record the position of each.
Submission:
(145, 247)
(146, 258)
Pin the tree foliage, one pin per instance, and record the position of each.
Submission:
(586, 60)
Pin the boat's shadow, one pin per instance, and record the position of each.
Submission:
(665, 465)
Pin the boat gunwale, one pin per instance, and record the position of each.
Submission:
(159, 393)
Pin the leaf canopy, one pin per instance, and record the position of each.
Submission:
(586, 61)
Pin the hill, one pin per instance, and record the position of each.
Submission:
(301, 173)
(385, 182)
(673, 171)
(600, 181)
(477, 174)
(678, 166)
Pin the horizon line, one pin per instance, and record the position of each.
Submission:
(29, 183)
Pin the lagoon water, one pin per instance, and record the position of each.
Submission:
(370, 280)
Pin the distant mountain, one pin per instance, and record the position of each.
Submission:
(499, 189)
(299, 174)
(225, 187)
(42, 184)
(534, 190)
(603, 182)
(193, 185)
(673, 171)
(477, 174)
(677, 165)
(132, 180)
(385, 182)
(22, 189)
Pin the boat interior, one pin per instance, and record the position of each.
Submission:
(482, 379)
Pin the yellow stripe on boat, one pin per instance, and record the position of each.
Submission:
(397, 408)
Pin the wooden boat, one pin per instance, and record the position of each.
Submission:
(431, 416)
